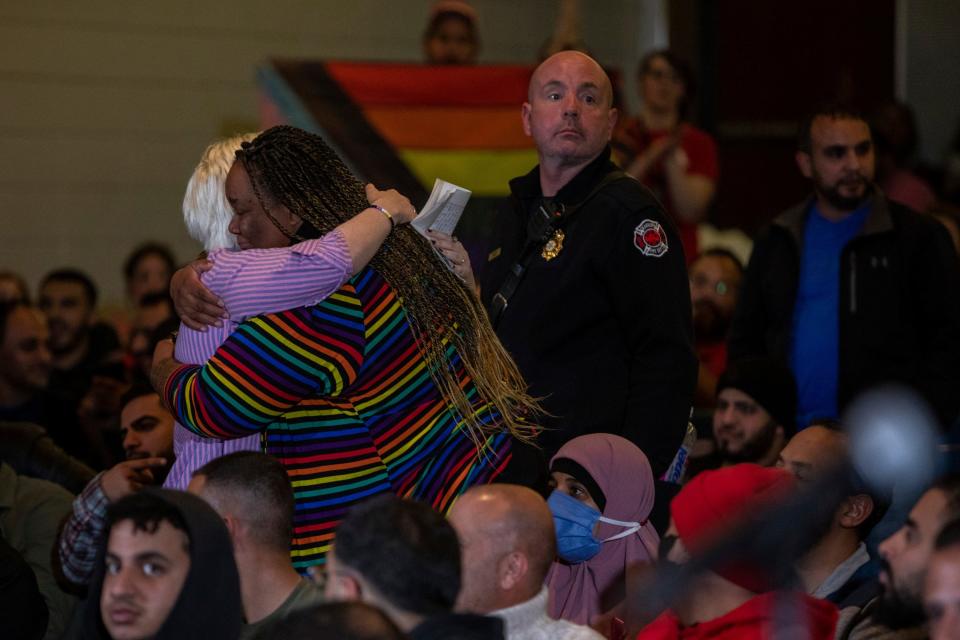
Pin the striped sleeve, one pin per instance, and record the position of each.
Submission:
(257, 281)
(266, 367)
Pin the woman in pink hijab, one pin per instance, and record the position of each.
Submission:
(601, 507)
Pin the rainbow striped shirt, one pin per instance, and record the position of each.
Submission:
(251, 283)
(348, 406)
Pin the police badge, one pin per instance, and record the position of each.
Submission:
(553, 246)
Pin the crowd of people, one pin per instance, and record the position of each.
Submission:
(333, 426)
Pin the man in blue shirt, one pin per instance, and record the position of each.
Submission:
(850, 289)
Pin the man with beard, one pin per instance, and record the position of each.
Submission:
(905, 558)
(714, 286)
(756, 403)
(25, 363)
(941, 591)
(850, 287)
(85, 353)
(837, 568)
(148, 442)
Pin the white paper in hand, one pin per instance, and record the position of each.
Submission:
(443, 208)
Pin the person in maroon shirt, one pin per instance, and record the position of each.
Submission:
(673, 158)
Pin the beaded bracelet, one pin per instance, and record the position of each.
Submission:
(393, 223)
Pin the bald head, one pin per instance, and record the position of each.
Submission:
(566, 62)
(507, 543)
(568, 112)
(814, 451)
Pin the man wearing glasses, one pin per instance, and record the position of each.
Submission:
(714, 286)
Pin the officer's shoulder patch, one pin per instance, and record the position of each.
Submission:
(650, 238)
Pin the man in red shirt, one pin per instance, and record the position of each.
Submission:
(735, 599)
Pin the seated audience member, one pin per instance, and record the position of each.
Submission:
(676, 160)
(251, 492)
(148, 442)
(31, 452)
(838, 567)
(507, 544)
(146, 427)
(31, 511)
(714, 283)
(79, 344)
(13, 288)
(905, 557)
(165, 571)
(941, 590)
(25, 366)
(23, 612)
(601, 507)
(451, 36)
(735, 599)
(86, 354)
(754, 418)
(403, 557)
(148, 270)
(335, 621)
(26, 409)
(153, 311)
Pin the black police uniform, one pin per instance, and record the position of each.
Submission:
(600, 323)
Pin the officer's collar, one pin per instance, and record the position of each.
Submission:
(577, 189)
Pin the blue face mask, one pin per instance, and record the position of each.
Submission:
(574, 522)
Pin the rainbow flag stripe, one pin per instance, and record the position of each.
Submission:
(403, 125)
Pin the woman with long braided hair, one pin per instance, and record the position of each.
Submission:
(255, 282)
(394, 383)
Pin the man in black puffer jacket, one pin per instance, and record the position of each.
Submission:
(851, 289)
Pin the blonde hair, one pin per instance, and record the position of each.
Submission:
(206, 211)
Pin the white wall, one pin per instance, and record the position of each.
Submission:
(107, 105)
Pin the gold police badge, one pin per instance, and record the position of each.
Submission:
(553, 247)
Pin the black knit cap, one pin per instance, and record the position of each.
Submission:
(771, 385)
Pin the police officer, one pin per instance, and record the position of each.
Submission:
(586, 282)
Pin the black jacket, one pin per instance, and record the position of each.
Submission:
(602, 331)
(899, 303)
(31, 452)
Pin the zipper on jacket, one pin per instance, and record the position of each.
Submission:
(853, 283)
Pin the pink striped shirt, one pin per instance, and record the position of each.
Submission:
(251, 283)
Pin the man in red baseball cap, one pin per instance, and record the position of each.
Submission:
(736, 599)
